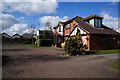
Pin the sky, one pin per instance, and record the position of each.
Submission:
(17, 17)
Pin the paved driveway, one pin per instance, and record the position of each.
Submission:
(112, 56)
(27, 62)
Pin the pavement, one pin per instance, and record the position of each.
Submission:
(28, 62)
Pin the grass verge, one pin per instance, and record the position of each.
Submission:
(116, 64)
(105, 51)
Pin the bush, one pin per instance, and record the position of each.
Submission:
(74, 46)
(44, 42)
(63, 45)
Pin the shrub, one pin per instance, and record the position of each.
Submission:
(63, 45)
(64, 53)
(74, 46)
(44, 42)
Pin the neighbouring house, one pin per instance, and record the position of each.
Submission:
(26, 36)
(94, 34)
(45, 34)
(5, 38)
(16, 36)
(5, 35)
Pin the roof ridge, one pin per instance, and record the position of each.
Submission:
(91, 16)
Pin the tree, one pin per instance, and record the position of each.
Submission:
(31, 31)
(46, 35)
(74, 46)
(48, 25)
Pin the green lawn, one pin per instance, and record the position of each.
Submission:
(106, 51)
(41, 46)
(116, 64)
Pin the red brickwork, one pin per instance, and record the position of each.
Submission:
(95, 42)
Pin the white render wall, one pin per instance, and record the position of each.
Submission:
(75, 31)
(57, 30)
(84, 39)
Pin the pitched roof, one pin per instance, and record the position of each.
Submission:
(16, 36)
(92, 16)
(58, 24)
(89, 28)
(6, 35)
(26, 36)
(92, 30)
(68, 21)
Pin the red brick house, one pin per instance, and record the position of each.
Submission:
(94, 34)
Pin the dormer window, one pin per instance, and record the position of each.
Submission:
(95, 22)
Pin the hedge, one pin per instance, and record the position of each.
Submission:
(45, 42)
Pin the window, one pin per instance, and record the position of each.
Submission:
(57, 30)
(67, 26)
(74, 25)
(104, 40)
(66, 38)
(97, 23)
(118, 42)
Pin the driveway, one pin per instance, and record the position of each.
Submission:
(112, 56)
(28, 62)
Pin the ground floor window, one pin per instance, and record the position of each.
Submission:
(118, 42)
(66, 38)
(104, 40)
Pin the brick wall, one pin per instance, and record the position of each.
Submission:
(68, 31)
(95, 42)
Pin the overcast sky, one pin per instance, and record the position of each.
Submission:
(18, 15)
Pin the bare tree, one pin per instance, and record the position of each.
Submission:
(48, 25)
(32, 30)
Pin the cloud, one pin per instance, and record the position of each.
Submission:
(31, 7)
(115, 0)
(52, 19)
(110, 21)
(19, 28)
(8, 20)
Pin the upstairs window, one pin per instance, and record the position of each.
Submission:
(97, 23)
(74, 25)
(67, 26)
(56, 30)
